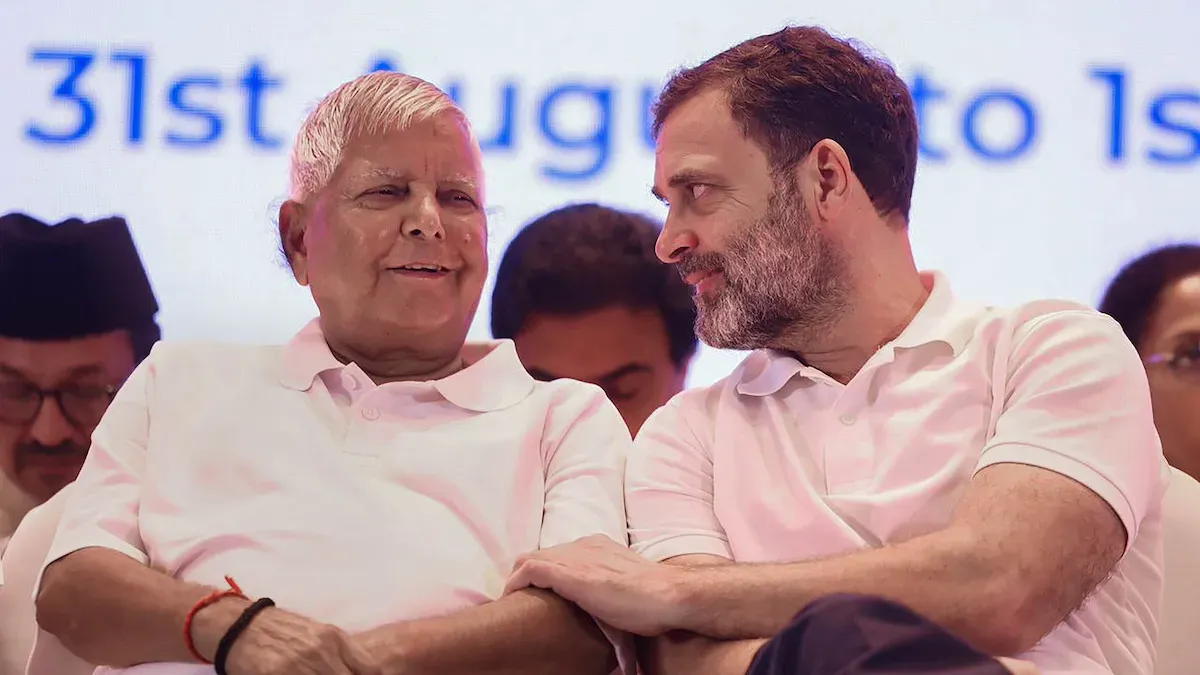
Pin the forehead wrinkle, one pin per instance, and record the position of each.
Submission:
(464, 179)
(384, 172)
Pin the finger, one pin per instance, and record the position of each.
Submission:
(519, 578)
(563, 580)
(540, 555)
(521, 560)
(531, 572)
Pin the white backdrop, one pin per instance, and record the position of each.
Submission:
(1059, 138)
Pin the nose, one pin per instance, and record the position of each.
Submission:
(425, 221)
(674, 241)
(51, 427)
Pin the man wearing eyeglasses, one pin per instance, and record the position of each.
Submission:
(76, 316)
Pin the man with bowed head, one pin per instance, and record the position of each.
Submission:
(582, 295)
(76, 315)
(351, 502)
(994, 473)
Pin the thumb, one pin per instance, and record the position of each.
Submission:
(518, 579)
(529, 572)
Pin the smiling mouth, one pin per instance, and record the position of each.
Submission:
(421, 271)
(702, 281)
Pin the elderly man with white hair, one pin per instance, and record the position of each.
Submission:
(354, 501)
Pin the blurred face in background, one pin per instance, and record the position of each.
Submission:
(52, 395)
(626, 352)
(1171, 350)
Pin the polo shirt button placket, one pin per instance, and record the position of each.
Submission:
(362, 436)
(849, 462)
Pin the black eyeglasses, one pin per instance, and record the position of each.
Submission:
(1184, 362)
(82, 405)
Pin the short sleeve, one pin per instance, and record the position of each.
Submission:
(102, 508)
(588, 444)
(1077, 403)
(669, 490)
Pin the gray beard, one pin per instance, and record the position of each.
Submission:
(783, 281)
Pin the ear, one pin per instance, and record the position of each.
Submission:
(827, 178)
(293, 224)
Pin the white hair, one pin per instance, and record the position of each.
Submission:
(372, 104)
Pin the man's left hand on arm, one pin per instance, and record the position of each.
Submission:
(612, 583)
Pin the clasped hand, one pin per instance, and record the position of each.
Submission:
(615, 585)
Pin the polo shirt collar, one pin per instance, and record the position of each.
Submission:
(493, 378)
(942, 319)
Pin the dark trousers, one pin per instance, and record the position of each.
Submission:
(853, 634)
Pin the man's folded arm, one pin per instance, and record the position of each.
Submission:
(585, 446)
(669, 495)
(685, 653)
(1058, 496)
(530, 631)
(1028, 547)
(96, 593)
(109, 609)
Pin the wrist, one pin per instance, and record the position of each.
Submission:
(683, 597)
(212, 622)
(390, 647)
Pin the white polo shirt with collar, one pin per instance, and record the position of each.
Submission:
(779, 462)
(354, 504)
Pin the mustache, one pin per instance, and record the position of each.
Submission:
(61, 450)
(691, 263)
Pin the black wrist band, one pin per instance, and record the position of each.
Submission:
(238, 627)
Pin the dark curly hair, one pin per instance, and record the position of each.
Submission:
(586, 257)
(790, 89)
(1132, 296)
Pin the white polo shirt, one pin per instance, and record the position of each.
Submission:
(779, 462)
(354, 504)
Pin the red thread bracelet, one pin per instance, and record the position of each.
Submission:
(234, 591)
